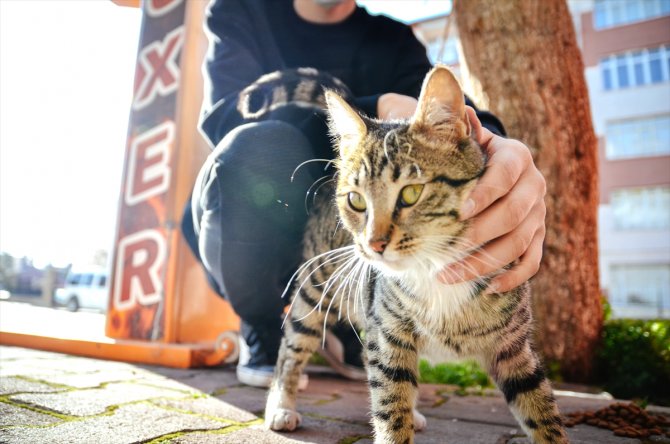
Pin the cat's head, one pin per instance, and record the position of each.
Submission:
(401, 184)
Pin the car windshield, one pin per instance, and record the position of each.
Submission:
(86, 279)
(74, 279)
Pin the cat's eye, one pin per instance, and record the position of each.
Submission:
(410, 194)
(356, 201)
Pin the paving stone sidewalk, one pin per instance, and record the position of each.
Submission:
(53, 398)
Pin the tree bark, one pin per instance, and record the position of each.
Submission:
(523, 63)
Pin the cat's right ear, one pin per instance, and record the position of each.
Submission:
(345, 123)
(441, 107)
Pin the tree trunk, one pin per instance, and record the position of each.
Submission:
(524, 64)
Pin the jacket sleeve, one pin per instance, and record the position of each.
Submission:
(399, 61)
(234, 60)
(488, 120)
(411, 64)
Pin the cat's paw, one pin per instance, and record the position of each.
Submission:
(283, 420)
(419, 420)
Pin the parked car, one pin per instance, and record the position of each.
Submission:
(84, 289)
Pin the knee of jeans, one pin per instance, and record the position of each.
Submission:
(259, 141)
(263, 163)
(256, 302)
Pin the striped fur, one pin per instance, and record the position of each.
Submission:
(379, 272)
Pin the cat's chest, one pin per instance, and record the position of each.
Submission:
(438, 312)
(434, 304)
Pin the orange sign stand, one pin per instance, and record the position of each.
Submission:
(161, 308)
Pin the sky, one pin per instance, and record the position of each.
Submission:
(408, 11)
(66, 73)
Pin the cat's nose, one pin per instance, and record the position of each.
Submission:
(378, 246)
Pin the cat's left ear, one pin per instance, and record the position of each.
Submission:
(441, 104)
(345, 123)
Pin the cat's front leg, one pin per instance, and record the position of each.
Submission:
(302, 335)
(280, 409)
(392, 378)
(518, 373)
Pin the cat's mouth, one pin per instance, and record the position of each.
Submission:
(389, 259)
(398, 260)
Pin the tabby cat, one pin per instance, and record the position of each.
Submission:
(399, 187)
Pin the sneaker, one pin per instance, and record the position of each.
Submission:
(261, 376)
(257, 369)
(347, 362)
(255, 376)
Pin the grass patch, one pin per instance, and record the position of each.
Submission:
(463, 374)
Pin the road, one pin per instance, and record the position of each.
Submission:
(19, 317)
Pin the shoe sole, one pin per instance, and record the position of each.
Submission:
(263, 379)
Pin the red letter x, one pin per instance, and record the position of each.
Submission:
(157, 70)
(156, 8)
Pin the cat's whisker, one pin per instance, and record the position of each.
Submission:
(346, 268)
(325, 291)
(469, 248)
(354, 282)
(385, 143)
(330, 257)
(444, 256)
(362, 269)
(441, 248)
(335, 279)
(299, 272)
(466, 244)
(332, 179)
(332, 280)
(339, 261)
(361, 279)
(351, 287)
(364, 276)
(438, 253)
(347, 282)
(337, 226)
(481, 280)
(328, 163)
(481, 257)
(309, 190)
(333, 256)
(350, 279)
(351, 263)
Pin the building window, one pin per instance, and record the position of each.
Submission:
(641, 208)
(622, 71)
(644, 289)
(638, 137)
(610, 13)
(655, 66)
(606, 69)
(636, 68)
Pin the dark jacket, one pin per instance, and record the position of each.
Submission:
(372, 55)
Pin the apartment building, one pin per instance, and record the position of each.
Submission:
(626, 51)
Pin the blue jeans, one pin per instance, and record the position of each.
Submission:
(248, 218)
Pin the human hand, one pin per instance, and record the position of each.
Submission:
(509, 204)
(395, 106)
